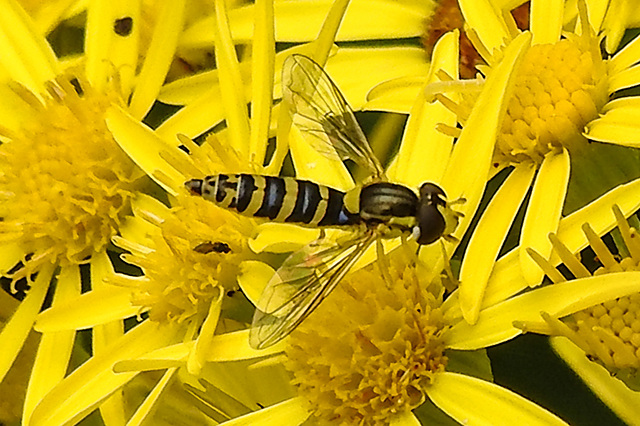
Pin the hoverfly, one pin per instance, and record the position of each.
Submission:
(383, 209)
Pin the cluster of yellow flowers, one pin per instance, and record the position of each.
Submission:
(127, 299)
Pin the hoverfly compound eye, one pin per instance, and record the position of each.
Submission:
(432, 193)
(431, 223)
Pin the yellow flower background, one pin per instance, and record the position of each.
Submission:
(127, 300)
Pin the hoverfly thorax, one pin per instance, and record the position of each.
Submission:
(384, 201)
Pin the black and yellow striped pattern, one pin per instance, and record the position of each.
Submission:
(281, 199)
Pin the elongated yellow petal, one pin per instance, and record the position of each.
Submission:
(478, 402)
(93, 308)
(495, 324)
(544, 212)
(626, 57)
(301, 22)
(107, 49)
(104, 335)
(420, 139)
(618, 397)
(10, 255)
(291, 411)
(26, 56)
(148, 406)
(202, 347)
(262, 72)
(488, 237)
(507, 280)
(158, 57)
(17, 328)
(468, 167)
(90, 384)
(54, 351)
(487, 21)
(546, 21)
(144, 147)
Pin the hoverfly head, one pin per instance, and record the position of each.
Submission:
(434, 217)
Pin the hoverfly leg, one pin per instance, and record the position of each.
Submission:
(449, 279)
(383, 262)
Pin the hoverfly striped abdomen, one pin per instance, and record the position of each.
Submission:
(280, 199)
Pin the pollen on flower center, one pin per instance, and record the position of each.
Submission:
(372, 347)
(65, 185)
(558, 89)
(193, 255)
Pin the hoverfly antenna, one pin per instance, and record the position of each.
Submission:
(194, 186)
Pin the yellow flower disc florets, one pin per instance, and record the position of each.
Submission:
(559, 88)
(609, 332)
(371, 348)
(65, 185)
(193, 255)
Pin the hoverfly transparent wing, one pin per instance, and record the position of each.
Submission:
(303, 281)
(320, 110)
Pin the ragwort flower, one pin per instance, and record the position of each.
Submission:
(561, 88)
(396, 335)
(66, 186)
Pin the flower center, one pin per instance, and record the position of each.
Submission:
(192, 255)
(558, 89)
(371, 348)
(65, 184)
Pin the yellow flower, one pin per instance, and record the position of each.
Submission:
(66, 186)
(184, 312)
(561, 87)
(607, 332)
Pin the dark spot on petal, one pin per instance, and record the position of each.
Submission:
(123, 26)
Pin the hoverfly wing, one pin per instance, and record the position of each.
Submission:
(320, 110)
(303, 281)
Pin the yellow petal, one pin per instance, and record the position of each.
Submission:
(301, 21)
(262, 72)
(104, 335)
(619, 123)
(495, 324)
(158, 57)
(420, 139)
(202, 347)
(231, 84)
(488, 237)
(145, 411)
(92, 308)
(468, 167)
(26, 55)
(253, 279)
(478, 402)
(507, 280)
(18, 327)
(281, 237)
(626, 57)
(10, 255)
(290, 412)
(91, 383)
(613, 392)
(396, 95)
(54, 351)
(406, 418)
(384, 63)
(546, 21)
(144, 147)
(544, 212)
(106, 50)
(483, 17)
